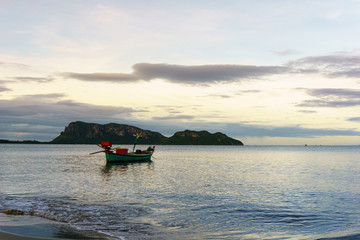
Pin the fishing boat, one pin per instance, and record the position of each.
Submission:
(119, 155)
(123, 155)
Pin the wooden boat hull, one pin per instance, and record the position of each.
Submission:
(130, 157)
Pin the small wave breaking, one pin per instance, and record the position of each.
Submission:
(111, 220)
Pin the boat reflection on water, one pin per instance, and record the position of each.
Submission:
(123, 168)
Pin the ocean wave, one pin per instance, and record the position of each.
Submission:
(112, 220)
(346, 237)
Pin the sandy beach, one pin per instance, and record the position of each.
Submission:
(8, 236)
(25, 227)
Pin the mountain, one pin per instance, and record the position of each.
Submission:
(88, 133)
(188, 137)
(81, 132)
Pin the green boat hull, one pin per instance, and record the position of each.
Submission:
(130, 157)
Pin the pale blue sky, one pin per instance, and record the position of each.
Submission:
(265, 72)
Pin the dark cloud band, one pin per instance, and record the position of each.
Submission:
(332, 97)
(202, 74)
(337, 65)
(52, 111)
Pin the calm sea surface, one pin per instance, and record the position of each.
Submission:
(190, 192)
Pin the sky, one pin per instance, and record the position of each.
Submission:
(265, 72)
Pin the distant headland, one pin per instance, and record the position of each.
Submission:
(93, 133)
(87, 133)
(22, 141)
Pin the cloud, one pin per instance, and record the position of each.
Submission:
(16, 68)
(201, 74)
(54, 108)
(50, 113)
(231, 95)
(6, 81)
(14, 65)
(33, 79)
(307, 111)
(248, 130)
(4, 89)
(175, 117)
(287, 52)
(36, 98)
(223, 96)
(248, 92)
(354, 119)
(336, 65)
(168, 126)
(102, 77)
(44, 116)
(28, 131)
(332, 97)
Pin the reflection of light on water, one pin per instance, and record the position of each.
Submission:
(202, 191)
(123, 168)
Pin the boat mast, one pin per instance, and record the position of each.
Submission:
(137, 136)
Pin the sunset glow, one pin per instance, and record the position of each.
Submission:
(264, 72)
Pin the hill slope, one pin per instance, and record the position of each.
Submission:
(88, 133)
(81, 132)
(188, 137)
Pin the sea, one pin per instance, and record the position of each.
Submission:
(189, 192)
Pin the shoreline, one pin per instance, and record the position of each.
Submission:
(26, 227)
(11, 236)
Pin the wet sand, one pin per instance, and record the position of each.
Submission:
(8, 236)
(25, 227)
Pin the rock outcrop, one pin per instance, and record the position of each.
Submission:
(89, 133)
(188, 137)
(81, 132)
